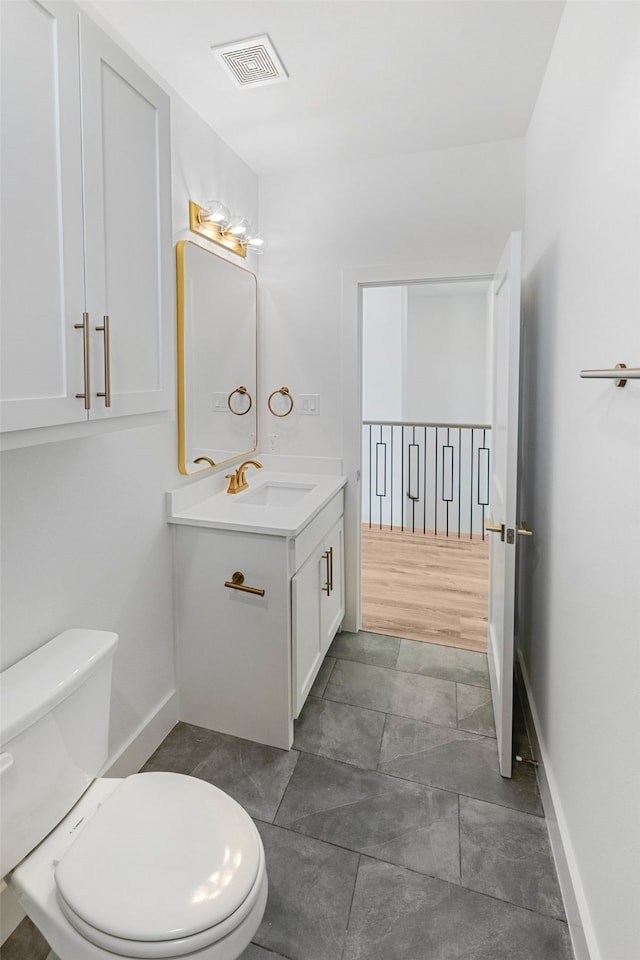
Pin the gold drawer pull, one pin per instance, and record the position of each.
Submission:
(237, 583)
(326, 556)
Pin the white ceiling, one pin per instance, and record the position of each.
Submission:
(368, 78)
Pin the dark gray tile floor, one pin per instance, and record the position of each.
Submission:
(388, 830)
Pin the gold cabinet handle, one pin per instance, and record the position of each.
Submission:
(84, 326)
(106, 393)
(237, 583)
(524, 530)
(326, 556)
(492, 527)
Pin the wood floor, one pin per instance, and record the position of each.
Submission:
(425, 587)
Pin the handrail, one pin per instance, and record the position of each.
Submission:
(416, 423)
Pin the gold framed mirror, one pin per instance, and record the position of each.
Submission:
(217, 359)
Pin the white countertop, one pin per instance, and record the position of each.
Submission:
(224, 511)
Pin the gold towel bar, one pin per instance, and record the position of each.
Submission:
(237, 583)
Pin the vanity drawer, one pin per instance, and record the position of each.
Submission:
(306, 541)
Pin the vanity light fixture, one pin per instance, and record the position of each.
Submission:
(216, 223)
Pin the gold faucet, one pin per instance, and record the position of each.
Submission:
(237, 480)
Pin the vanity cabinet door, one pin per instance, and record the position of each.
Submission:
(306, 603)
(317, 596)
(332, 607)
(41, 283)
(233, 647)
(127, 191)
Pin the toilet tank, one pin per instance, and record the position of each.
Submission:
(54, 727)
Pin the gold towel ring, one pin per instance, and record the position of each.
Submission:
(244, 393)
(285, 393)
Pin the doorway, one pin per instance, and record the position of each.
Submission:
(426, 446)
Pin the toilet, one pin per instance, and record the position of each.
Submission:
(155, 865)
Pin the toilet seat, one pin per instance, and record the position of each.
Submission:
(142, 902)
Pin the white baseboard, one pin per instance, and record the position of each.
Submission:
(145, 739)
(568, 875)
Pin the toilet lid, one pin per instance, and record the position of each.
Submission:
(125, 872)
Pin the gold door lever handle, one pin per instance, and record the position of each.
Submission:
(524, 530)
(492, 527)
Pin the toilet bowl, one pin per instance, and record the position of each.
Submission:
(156, 865)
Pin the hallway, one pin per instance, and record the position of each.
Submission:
(389, 833)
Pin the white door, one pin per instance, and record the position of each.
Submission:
(503, 495)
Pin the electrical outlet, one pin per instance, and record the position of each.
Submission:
(273, 443)
(309, 404)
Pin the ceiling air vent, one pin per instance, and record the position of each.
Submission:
(252, 62)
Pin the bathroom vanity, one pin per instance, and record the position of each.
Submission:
(259, 597)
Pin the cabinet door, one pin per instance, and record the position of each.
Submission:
(127, 195)
(332, 608)
(233, 648)
(306, 600)
(42, 284)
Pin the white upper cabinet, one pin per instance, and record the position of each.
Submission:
(42, 283)
(85, 223)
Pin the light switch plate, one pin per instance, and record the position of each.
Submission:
(309, 404)
(219, 403)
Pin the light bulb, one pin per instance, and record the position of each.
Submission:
(217, 213)
(239, 228)
(256, 243)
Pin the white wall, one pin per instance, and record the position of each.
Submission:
(383, 352)
(446, 375)
(580, 629)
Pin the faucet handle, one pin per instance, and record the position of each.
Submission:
(233, 482)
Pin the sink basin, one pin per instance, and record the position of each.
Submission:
(276, 494)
